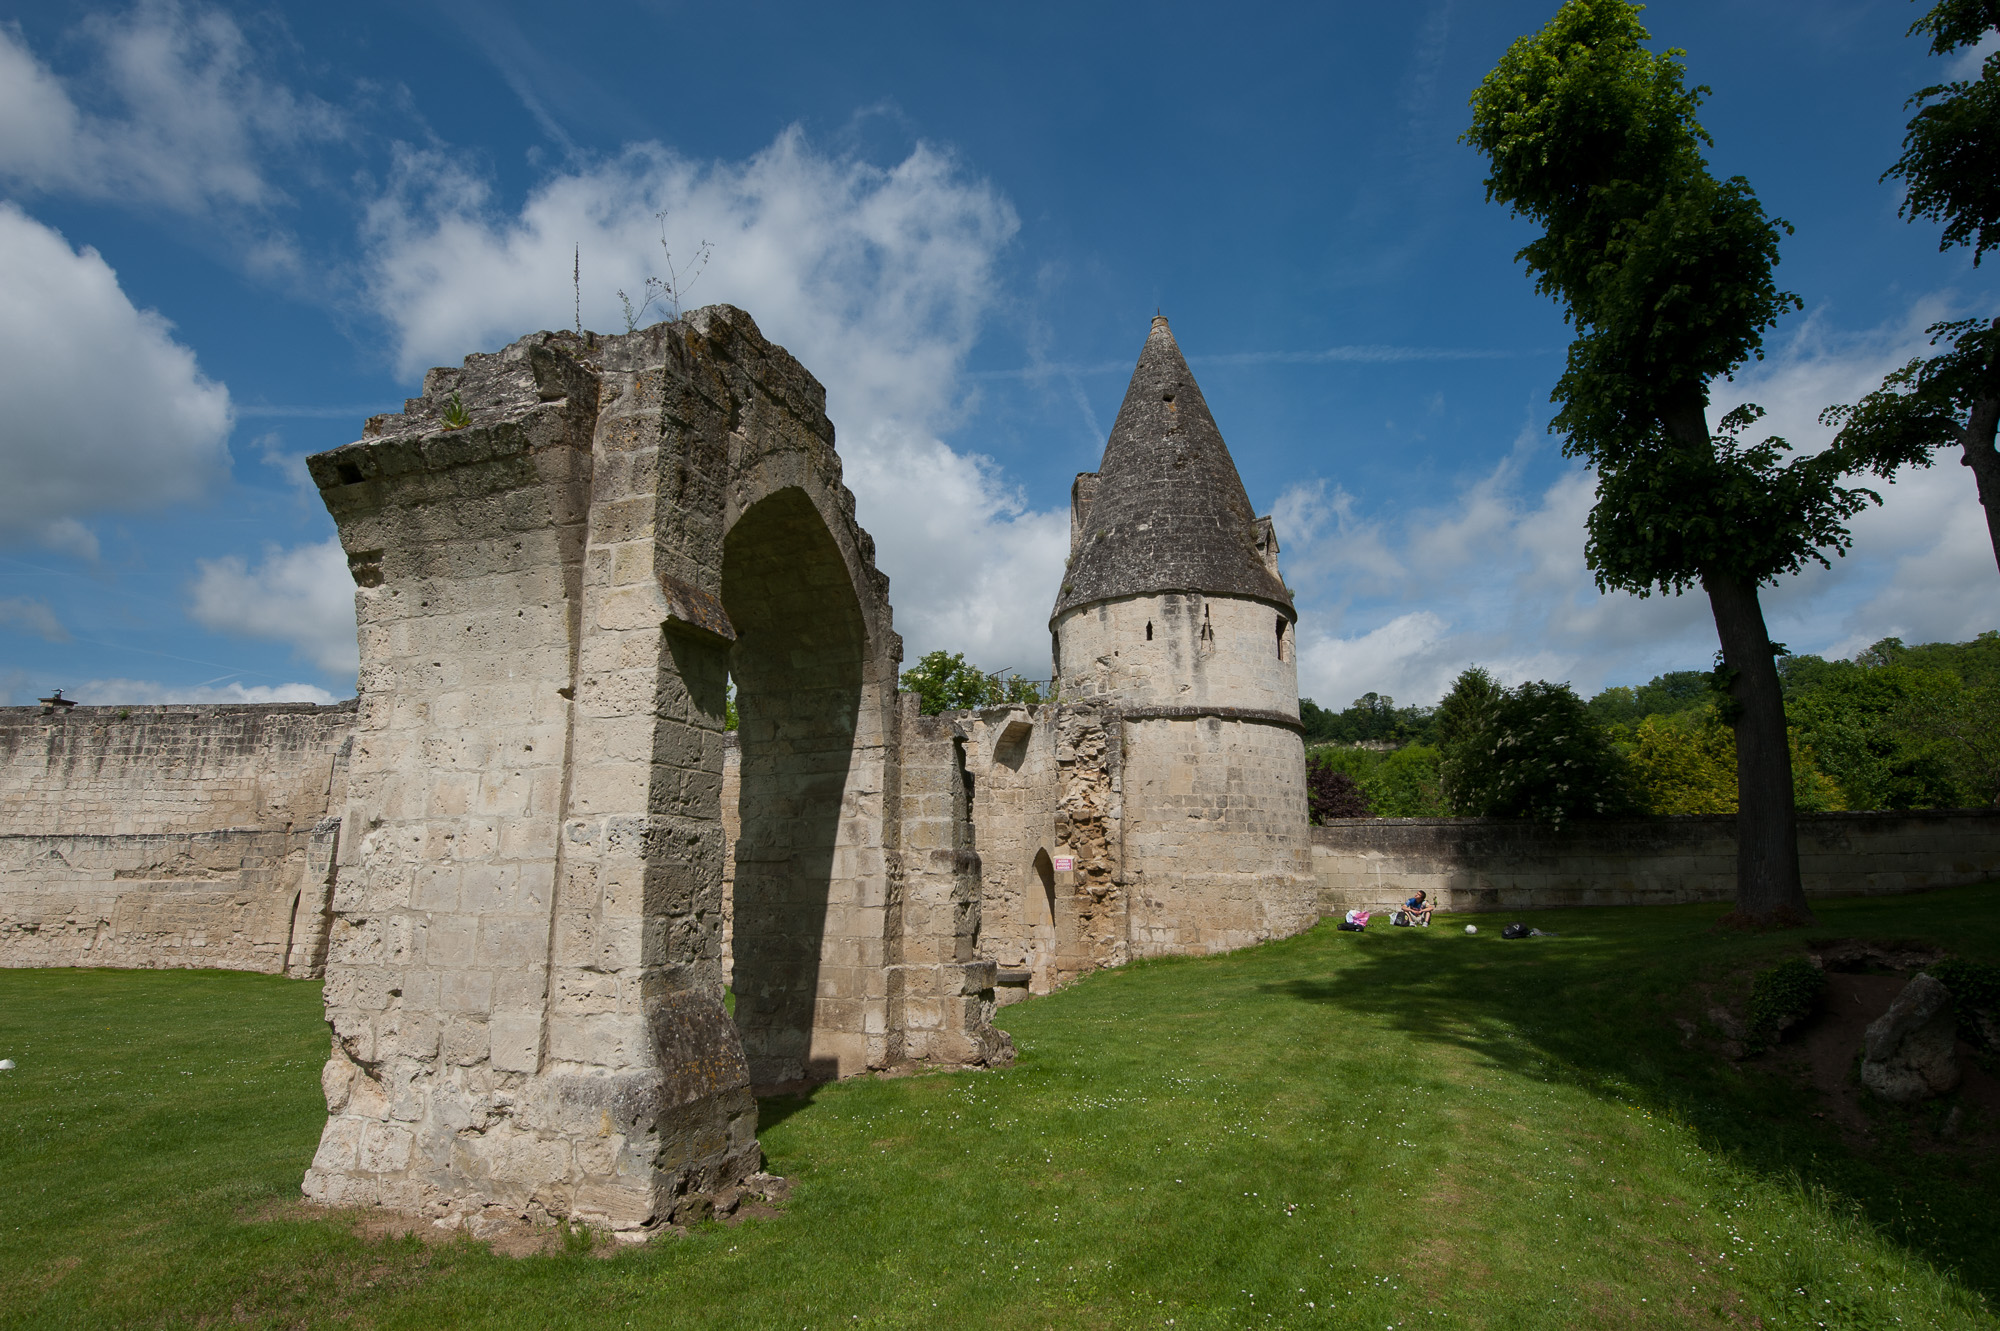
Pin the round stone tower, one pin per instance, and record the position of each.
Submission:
(1175, 630)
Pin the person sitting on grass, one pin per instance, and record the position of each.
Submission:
(1418, 909)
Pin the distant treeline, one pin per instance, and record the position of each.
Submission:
(1897, 727)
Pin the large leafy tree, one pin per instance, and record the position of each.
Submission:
(1950, 168)
(1666, 274)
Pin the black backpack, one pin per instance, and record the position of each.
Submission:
(1514, 931)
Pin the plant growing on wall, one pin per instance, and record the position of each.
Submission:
(670, 291)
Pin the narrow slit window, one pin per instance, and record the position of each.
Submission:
(1149, 630)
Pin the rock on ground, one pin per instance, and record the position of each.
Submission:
(1907, 1055)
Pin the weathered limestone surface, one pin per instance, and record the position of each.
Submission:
(526, 969)
(169, 836)
(1181, 655)
(940, 991)
(229, 900)
(1214, 811)
(124, 771)
(1090, 829)
(1477, 864)
(1909, 1053)
(1024, 917)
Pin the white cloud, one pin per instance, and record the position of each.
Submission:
(104, 409)
(192, 116)
(32, 616)
(1966, 63)
(67, 536)
(1399, 603)
(876, 278)
(149, 693)
(303, 596)
(273, 453)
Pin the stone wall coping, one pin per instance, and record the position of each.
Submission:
(102, 711)
(1256, 715)
(1332, 825)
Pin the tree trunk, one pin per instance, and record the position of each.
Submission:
(1976, 441)
(1768, 892)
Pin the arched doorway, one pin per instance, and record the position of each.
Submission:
(1040, 905)
(798, 665)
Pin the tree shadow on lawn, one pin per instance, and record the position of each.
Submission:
(1596, 1005)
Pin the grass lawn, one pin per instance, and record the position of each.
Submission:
(1404, 1128)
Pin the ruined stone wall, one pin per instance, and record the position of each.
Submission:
(940, 988)
(1090, 823)
(732, 830)
(1010, 756)
(1477, 864)
(235, 900)
(175, 836)
(526, 975)
(125, 771)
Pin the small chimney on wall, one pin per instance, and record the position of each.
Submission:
(1080, 495)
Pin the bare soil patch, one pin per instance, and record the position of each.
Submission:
(1826, 1049)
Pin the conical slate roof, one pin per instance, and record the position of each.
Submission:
(1169, 513)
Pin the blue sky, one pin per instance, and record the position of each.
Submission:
(229, 233)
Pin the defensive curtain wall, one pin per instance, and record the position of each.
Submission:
(1489, 864)
(169, 836)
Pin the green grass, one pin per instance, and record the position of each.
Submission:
(1398, 1129)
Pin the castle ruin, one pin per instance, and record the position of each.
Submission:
(533, 866)
(512, 858)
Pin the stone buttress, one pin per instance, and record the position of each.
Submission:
(564, 555)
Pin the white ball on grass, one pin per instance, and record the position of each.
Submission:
(1472, 928)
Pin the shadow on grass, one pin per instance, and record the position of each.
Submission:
(1596, 1006)
(775, 1109)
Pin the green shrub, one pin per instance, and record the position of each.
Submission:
(1781, 997)
(1405, 784)
(1975, 993)
(1400, 784)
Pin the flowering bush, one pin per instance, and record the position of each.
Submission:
(1536, 752)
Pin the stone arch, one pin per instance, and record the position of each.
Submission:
(1041, 899)
(525, 977)
(799, 666)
